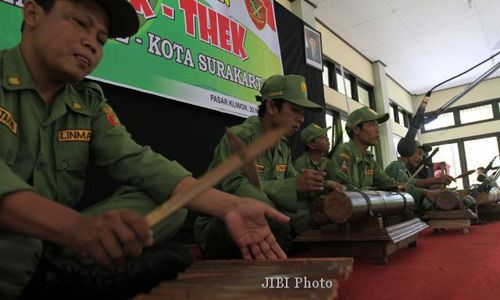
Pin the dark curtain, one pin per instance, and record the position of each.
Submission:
(291, 37)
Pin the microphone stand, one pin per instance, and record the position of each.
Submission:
(431, 116)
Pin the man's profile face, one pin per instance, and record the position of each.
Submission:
(416, 158)
(320, 144)
(367, 133)
(69, 39)
(290, 116)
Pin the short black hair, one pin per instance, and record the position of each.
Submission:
(45, 4)
(262, 107)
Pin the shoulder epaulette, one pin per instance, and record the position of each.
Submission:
(94, 87)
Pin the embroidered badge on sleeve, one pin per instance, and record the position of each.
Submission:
(110, 115)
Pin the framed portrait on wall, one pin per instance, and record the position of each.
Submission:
(312, 43)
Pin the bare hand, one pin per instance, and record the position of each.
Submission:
(310, 181)
(110, 237)
(445, 179)
(250, 231)
(335, 186)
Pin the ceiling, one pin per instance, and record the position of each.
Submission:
(421, 42)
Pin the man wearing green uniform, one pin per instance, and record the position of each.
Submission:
(316, 144)
(283, 99)
(352, 164)
(399, 171)
(51, 126)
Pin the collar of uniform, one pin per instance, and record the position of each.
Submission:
(255, 125)
(16, 75)
(357, 153)
(315, 163)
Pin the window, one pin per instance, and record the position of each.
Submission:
(401, 116)
(449, 154)
(477, 113)
(334, 118)
(363, 96)
(396, 138)
(343, 120)
(349, 85)
(391, 111)
(329, 123)
(478, 153)
(326, 74)
(466, 114)
(443, 120)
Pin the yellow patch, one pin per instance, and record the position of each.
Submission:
(259, 168)
(74, 135)
(316, 125)
(368, 172)
(7, 119)
(76, 105)
(14, 81)
(280, 168)
(303, 87)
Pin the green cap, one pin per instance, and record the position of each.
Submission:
(311, 132)
(364, 114)
(291, 88)
(123, 19)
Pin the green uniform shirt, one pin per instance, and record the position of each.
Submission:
(349, 168)
(274, 167)
(399, 172)
(305, 162)
(276, 173)
(47, 149)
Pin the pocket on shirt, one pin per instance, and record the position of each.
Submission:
(71, 165)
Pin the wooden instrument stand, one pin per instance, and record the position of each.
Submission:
(450, 219)
(370, 239)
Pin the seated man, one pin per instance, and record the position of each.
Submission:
(399, 171)
(52, 125)
(316, 144)
(352, 164)
(283, 99)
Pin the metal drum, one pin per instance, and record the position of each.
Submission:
(340, 207)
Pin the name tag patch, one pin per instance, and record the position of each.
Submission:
(369, 172)
(280, 168)
(7, 120)
(260, 168)
(74, 135)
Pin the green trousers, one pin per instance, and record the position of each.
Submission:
(19, 255)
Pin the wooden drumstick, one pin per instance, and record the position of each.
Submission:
(209, 179)
(249, 168)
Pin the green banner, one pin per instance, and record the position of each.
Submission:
(213, 53)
